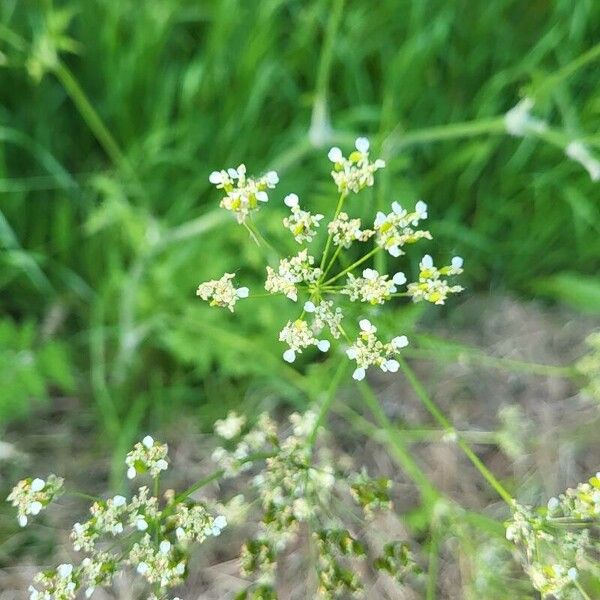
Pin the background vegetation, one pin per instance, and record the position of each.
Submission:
(112, 114)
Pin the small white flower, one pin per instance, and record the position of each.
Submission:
(362, 144)
(64, 570)
(215, 177)
(367, 326)
(399, 278)
(142, 568)
(309, 307)
(289, 356)
(399, 342)
(242, 292)
(37, 485)
(148, 441)
(335, 155)
(119, 501)
(35, 507)
(291, 200)
(165, 547)
(359, 374)
(323, 345)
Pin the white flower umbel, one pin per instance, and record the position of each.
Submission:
(298, 335)
(59, 584)
(519, 122)
(290, 273)
(354, 173)
(162, 565)
(372, 287)
(301, 223)
(147, 456)
(399, 227)
(580, 153)
(368, 350)
(243, 194)
(231, 426)
(221, 292)
(345, 230)
(431, 285)
(31, 496)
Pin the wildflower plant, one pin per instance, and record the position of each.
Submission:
(319, 280)
(559, 543)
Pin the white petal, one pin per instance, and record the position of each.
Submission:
(399, 278)
(572, 573)
(64, 570)
(22, 520)
(232, 173)
(392, 365)
(141, 525)
(362, 144)
(396, 207)
(35, 508)
(323, 345)
(395, 251)
(366, 325)
(220, 522)
(37, 485)
(379, 219)
(335, 155)
(131, 473)
(359, 374)
(262, 196)
(89, 592)
(162, 464)
(119, 501)
(165, 546)
(370, 274)
(421, 209)
(142, 568)
(272, 178)
(400, 341)
(242, 292)
(215, 177)
(289, 356)
(148, 441)
(309, 307)
(457, 262)
(291, 200)
(351, 353)
(427, 261)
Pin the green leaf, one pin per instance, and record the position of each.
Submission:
(578, 291)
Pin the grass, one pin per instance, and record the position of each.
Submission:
(106, 213)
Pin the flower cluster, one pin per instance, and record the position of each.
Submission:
(354, 173)
(431, 285)
(397, 228)
(296, 487)
(368, 350)
(344, 231)
(298, 335)
(31, 496)
(558, 541)
(291, 272)
(147, 456)
(221, 292)
(312, 276)
(589, 366)
(140, 533)
(372, 287)
(301, 223)
(243, 195)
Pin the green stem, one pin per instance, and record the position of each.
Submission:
(434, 562)
(439, 416)
(332, 261)
(338, 209)
(395, 141)
(405, 459)
(583, 593)
(92, 119)
(328, 401)
(437, 348)
(360, 261)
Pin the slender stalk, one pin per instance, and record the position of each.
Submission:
(338, 209)
(434, 563)
(439, 416)
(583, 593)
(332, 261)
(407, 462)
(328, 401)
(92, 119)
(353, 265)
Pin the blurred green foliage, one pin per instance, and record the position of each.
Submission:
(112, 114)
